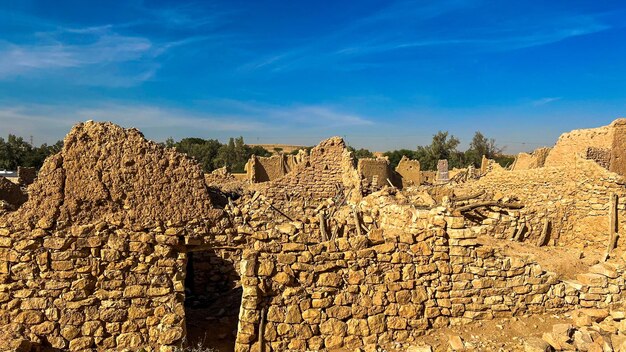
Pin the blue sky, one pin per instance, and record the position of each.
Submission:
(384, 74)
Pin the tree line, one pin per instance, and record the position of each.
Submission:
(211, 154)
(444, 146)
(15, 151)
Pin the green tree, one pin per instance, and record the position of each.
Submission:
(15, 151)
(203, 150)
(480, 146)
(236, 153)
(361, 153)
(395, 156)
(443, 146)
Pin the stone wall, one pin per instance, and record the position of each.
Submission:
(414, 270)
(573, 198)
(601, 156)
(409, 172)
(96, 258)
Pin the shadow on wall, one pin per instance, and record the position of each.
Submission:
(212, 299)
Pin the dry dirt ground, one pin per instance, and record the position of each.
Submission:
(506, 334)
(564, 261)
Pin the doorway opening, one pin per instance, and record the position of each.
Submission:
(212, 298)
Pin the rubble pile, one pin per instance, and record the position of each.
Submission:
(590, 330)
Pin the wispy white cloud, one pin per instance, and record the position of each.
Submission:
(294, 115)
(105, 54)
(184, 15)
(50, 122)
(545, 101)
(320, 116)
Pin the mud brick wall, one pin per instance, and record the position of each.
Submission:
(409, 172)
(574, 198)
(26, 175)
(267, 168)
(390, 285)
(618, 147)
(329, 165)
(263, 169)
(575, 143)
(374, 172)
(525, 161)
(11, 193)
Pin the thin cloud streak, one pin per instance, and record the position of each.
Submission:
(348, 43)
(545, 101)
(99, 59)
(51, 122)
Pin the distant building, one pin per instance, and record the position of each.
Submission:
(10, 175)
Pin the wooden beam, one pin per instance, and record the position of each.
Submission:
(544, 233)
(488, 204)
(612, 226)
(468, 197)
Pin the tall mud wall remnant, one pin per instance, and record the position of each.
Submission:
(328, 170)
(374, 173)
(11, 193)
(95, 259)
(263, 169)
(26, 175)
(536, 159)
(578, 143)
(409, 172)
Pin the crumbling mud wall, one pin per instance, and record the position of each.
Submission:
(413, 270)
(409, 172)
(374, 173)
(536, 159)
(95, 259)
(263, 169)
(574, 199)
(575, 144)
(327, 171)
(26, 175)
(11, 193)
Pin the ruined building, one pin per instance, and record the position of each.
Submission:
(121, 242)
